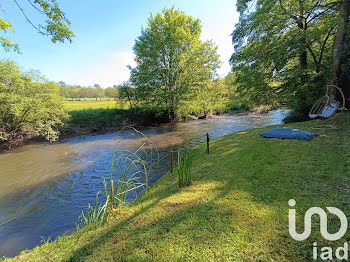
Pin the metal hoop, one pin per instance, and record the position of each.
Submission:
(340, 91)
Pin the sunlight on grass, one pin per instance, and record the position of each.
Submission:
(83, 105)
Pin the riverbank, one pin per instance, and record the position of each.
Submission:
(235, 209)
(91, 117)
(101, 120)
(94, 117)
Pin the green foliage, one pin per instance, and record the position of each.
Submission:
(283, 50)
(6, 43)
(217, 97)
(173, 64)
(95, 119)
(184, 165)
(127, 94)
(29, 105)
(95, 215)
(56, 24)
(237, 106)
(76, 92)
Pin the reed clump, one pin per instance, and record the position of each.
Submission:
(184, 165)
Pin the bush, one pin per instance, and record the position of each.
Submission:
(236, 105)
(30, 105)
(299, 114)
(96, 119)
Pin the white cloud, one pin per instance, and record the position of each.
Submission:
(220, 34)
(109, 70)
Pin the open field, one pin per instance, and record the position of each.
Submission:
(93, 104)
(92, 115)
(236, 209)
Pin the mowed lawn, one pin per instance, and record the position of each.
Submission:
(236, 208)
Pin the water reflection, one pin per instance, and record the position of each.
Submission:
(44, 187)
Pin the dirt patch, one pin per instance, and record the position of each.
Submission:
(173, 204)
(140, 221)
(177, 204)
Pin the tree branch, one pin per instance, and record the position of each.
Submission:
(331, 5)
(28, 20)
(286, 13)
(312, 9)
(324, 44)
(314, 58)
(33, 5)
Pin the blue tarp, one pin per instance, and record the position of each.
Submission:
(289, 133)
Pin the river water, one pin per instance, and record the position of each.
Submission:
(44, 187)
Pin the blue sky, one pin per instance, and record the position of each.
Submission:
(105, 33)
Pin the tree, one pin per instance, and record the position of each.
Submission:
(126, 93)
(172, 62)
(283, 49)
(112, 92)
(341, 54)
(29, 105)
(56, 25)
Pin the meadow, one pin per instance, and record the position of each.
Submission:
(91, 115)
(91, 103)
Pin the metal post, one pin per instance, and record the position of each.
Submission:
(112, 192)
(208, 143)
(171, 161)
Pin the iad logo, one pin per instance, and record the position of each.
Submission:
(326, 252)
(323, 222)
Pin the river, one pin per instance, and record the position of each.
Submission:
(44, 187)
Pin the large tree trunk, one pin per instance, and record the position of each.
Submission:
(338, 45)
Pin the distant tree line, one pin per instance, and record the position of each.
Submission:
(74, 92)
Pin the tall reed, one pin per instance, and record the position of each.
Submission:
(184, 165)
(96, 214)
(128, 175)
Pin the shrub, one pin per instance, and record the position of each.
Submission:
(29, 105)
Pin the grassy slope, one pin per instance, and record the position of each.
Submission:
(236, 208)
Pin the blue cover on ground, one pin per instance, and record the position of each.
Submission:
(289, 133)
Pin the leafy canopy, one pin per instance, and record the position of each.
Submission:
(55, 26)
(29, 105)
(283, 49)
(173, 64)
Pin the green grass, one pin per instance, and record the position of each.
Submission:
(236, 208)
(95, 119)
(93, 104)
(92, 115)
